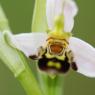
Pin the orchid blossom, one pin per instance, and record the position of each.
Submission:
(57, 50)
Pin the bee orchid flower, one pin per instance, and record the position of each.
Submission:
(57, 51)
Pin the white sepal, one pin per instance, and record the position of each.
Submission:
(29, 43)
(69, 24)
(84, 56)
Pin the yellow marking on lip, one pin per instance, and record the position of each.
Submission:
(57, 65)
(52, 38)
(50, 64)
(61, 57)
(48, 55)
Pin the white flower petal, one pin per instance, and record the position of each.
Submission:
(53, 9)
(70, 11)
(29, 43)
(69, 23)
(84, 56)
(70, 8)
(56, 7)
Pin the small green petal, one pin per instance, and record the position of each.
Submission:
(39, 22)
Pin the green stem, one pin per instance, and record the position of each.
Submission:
(51, 86)
(59, 88)
(29, 83)
(28, 80)
(43, 81)
(47, 84)
(55, 86)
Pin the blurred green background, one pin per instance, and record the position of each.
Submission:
(19, 13)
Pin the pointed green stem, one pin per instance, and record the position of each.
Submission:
(4, 25)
